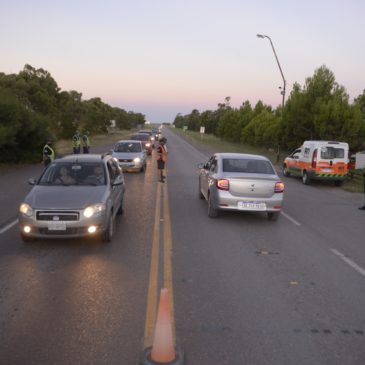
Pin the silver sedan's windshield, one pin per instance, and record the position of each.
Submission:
(68, 174)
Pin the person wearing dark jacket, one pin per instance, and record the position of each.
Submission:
(48, 153)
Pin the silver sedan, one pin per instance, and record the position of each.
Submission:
(242, 182)
(76, 196)
(131, 155)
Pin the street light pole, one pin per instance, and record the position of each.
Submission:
(284, 87)
(281, 71)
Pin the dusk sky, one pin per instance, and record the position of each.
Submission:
(164, 57)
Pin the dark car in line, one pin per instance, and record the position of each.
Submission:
(146, 140)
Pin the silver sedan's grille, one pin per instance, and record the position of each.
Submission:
(125, 160)
(58, 216)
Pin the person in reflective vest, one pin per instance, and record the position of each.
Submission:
(85, 142)
(48, 153)
(161, 159)
(76, 142)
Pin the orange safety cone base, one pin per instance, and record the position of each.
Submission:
(179, 358)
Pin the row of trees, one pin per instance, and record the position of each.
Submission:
(33, 108)
(318, 110)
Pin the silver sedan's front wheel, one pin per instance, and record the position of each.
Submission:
(108, 233)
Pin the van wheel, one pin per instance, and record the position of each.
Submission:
(121, 208)
(305, 178)
(338, 183)
(286, 172)
(212, 212)
(273, 216)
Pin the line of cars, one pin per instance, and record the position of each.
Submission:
(81, 195)
(132, 154)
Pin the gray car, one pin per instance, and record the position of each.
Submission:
(76, 196)
(241, 182)
(131, 155)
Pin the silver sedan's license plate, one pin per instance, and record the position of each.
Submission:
(251, 206)
(56, 226)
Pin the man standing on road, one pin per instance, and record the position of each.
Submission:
(161, 158)
(48, 153)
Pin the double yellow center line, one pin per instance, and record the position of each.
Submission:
(161, 245)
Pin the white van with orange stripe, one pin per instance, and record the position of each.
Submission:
(318, 160)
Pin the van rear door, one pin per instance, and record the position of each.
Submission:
(333, 158)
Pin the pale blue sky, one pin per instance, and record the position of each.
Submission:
(163, 57)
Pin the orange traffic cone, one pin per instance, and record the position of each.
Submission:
(163, 349)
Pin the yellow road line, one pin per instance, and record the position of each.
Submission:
(167, 239)
(153, 279)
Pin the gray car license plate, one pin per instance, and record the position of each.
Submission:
(56, 226)
(251, 206)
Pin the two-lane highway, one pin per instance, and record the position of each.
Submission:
(246, 290)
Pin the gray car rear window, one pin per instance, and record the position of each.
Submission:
(248, 166)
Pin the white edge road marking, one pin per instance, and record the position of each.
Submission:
(8, 226)
(355, 266)
(291, 219)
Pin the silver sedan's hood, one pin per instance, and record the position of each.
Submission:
(65, 197)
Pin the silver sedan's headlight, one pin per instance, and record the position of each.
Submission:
(93, 210)
(137, 160)
(26, 210)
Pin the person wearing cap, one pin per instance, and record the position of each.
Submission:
(48, 153)
(161, 158)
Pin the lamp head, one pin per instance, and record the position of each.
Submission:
(260, 36)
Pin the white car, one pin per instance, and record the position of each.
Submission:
(131, 155)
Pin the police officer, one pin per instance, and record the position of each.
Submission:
(48, 153)
(76, 142)
(85, 142)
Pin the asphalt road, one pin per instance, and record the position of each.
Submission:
(245, 290)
